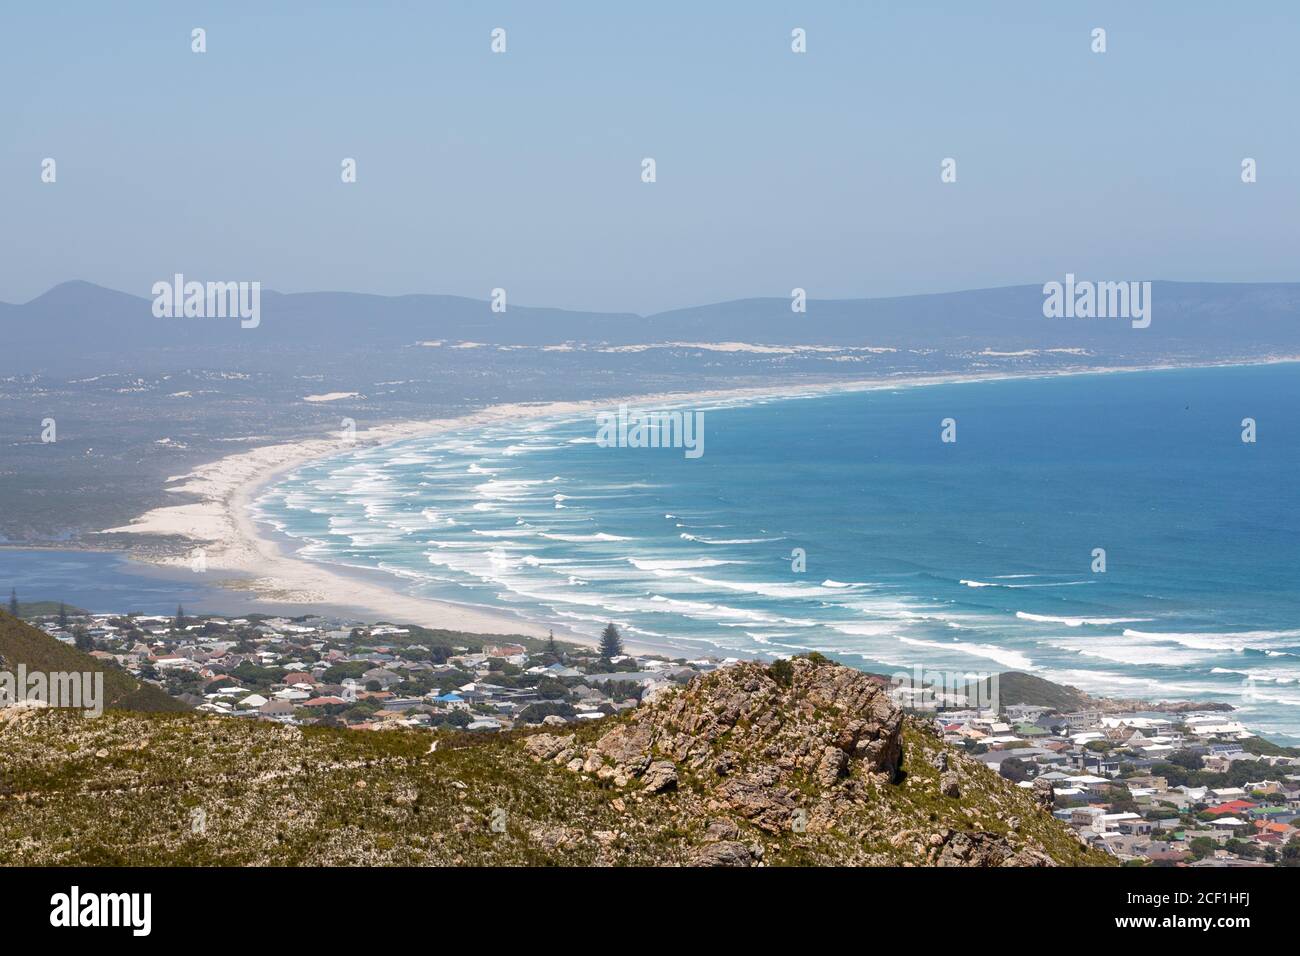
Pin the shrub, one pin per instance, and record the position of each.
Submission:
(782, 672)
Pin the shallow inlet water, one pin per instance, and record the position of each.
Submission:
(107, 582)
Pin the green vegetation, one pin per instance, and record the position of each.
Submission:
(535, 713)
(1014, 769)
(1017, 688)
(184, 789)
(32, 609)
(1266, 748)
(781, 671)
(21, 643)
(1178, 772)
(611, 642)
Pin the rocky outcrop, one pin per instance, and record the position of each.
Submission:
(548, 747)
(803, 761)
(983, 849)
(826, 722)
(757, 738)
(721, 830)
(723, 854)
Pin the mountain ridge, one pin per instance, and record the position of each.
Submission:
(1188, 319)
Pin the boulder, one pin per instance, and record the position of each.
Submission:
(721, 830)
(546, 746)
(757, 798)
(833, 764)
(949, 785)
(661, 776)
(627, 745)
(728, 853)
(981, 848)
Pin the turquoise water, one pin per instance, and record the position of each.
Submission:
(968, 556)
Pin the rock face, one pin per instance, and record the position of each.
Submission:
(547, 747)
(827, 721)
(723, 854)
(756, 737)
(1044, 794)
(804, 760)
(984, 849)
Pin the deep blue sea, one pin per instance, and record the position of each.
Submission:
(972, 556)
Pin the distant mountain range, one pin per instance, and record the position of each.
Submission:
(77, 321)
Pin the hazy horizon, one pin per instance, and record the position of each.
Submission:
(486, 299)
(521, 170)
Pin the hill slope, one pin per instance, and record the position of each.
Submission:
(1018, 688)
(697, 776)
(1015, 687)
(20, 643)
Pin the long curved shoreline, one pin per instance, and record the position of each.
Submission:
(221, 526)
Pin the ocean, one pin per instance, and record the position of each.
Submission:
(972, 556)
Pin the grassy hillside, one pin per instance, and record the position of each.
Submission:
(188, 789)
(21, 643)
(30, 609)
(1017, 688)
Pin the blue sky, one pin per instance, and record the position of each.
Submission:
(522, 170)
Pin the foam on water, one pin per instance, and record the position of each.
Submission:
(971, 555)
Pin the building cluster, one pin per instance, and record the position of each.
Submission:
(1188, 789)
(369, 676)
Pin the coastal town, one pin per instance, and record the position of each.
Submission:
(1179, 787)
(1172, 787)
(339, 672)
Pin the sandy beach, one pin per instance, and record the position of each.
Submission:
(227, 540)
